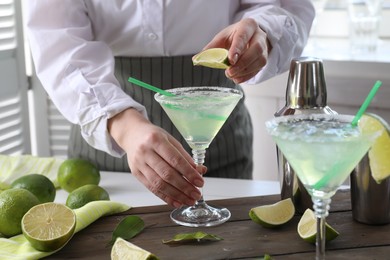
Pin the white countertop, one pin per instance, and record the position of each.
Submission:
(123, 187)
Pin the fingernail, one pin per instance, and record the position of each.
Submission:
(198, 183)
(235, 58)
(177, 204)
(195, 195)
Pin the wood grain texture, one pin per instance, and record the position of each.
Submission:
(243, 239)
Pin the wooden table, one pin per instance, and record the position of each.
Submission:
(243, 239)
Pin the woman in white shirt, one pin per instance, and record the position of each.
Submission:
(84, 51)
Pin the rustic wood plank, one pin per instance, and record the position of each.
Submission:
(243, 239)
(366, 253)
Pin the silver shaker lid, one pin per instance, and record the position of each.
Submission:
(306, 87)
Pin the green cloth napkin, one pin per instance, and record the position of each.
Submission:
(13, 167)
(18, 247)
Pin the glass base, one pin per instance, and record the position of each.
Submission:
(200, 215)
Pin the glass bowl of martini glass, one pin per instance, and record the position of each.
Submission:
(323, 150)
(198, 113)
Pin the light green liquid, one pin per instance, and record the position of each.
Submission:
(322, 153)
(199, 115)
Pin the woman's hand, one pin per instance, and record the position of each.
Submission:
(248, 49)
(157, 159)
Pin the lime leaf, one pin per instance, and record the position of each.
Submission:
(192, 237)
(128, 228)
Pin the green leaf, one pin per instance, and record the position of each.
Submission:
(192, 237)
(128, 228)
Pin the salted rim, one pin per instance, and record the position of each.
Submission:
(177, 91)
(273, 123)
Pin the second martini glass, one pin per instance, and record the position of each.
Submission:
(198, 114)
(323, 150)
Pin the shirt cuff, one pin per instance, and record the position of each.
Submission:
(96, 104)
(284, 41)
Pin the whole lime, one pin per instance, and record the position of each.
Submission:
(74, 173)
(14, 203)
(85, 194)
(38, 184)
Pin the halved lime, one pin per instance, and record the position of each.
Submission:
(216, 58)
(123, 249)
(49, 226)
(273, 215)
(379, 153)
(307, 228)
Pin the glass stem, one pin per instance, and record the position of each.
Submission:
(198, 156)
(321, 211)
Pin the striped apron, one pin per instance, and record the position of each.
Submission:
(229, 154)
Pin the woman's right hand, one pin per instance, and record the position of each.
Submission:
(157, 159)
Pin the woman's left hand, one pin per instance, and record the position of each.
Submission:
(248, 49)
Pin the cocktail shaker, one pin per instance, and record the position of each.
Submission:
(370, 200)
(305, 94)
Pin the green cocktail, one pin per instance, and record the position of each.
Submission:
(199, 113)
(322, 150)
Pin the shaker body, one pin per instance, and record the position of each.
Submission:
(305, 94)
(366, 193)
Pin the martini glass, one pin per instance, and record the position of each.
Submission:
(323, 150)
(198, 114)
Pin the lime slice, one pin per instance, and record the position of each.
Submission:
(307, 228)
(216, 58)
(274, 215)
(49, 226)
(123, 249)
(379, 153)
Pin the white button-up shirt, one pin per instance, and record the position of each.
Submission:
(73, 44)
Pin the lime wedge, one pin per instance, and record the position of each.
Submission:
(216, 58)
(379, 153)
(49, 226)
(123, 249)
(273, 215)
(307, 228)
